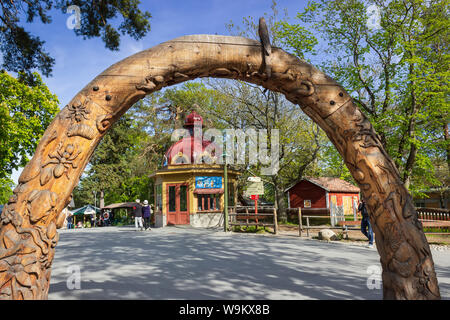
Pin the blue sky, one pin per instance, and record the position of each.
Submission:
(78, 61)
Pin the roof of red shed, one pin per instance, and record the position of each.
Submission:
(330, 184)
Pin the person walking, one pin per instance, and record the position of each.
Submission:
(146, 214)
(138, 215)
(69, 222)
(366, 227)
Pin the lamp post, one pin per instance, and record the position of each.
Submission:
(225, 193)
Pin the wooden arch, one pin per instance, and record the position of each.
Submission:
(29, 222)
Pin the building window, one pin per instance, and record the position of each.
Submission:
(307, 203)
(208, 202)
(172, 198)
(183, 198)
(420, 203)
(158, 203)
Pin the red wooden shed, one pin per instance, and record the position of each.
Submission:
(322, 192)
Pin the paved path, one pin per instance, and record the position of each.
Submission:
(188, 263)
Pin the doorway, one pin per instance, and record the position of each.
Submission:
(177, 204)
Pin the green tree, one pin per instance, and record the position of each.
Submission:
(6, 187)
(25, 113)
(250, 106)
(159, 114)
(396, 70)
(22, 51)
(136, 144)
(116, 167)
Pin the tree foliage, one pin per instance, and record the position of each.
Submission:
(24, 52)
(116, 167)
(397, 71)
(251, 106)
(6, 187)
(25, 113)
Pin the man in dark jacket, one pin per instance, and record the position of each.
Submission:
(146, 213)
(138, 215)
(366, 228)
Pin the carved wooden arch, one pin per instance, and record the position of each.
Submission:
(28, 227)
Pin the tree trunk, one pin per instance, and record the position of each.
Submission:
(281, 205)
(102, 199)
(407, 172)
(447, 138)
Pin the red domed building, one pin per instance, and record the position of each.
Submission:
(189, 188)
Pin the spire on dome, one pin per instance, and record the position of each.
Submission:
(193, 119)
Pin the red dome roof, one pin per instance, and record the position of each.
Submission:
(192, 149)
(193, 119)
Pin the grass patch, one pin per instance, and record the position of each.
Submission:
(250, 229)
(441, 230)
(438, 239)
(288, 223)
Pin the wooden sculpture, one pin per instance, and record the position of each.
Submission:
(29, 222)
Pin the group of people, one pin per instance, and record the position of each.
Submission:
(142, 214)
(88, 222)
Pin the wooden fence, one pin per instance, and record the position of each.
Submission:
(246, 216)
(433, 214)
(434, 218)
(431, 218)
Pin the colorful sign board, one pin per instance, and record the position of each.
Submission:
(207, 182)
(254, 188)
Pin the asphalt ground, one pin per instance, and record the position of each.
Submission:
(207, 264)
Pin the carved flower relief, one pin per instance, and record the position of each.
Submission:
(18, 270)
(78, 111)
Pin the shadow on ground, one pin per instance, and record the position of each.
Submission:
(187, 263)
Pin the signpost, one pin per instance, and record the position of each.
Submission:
(255, 197)
(255, 188)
